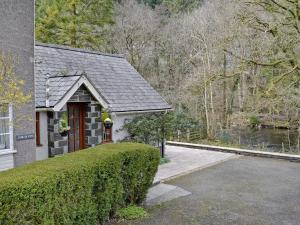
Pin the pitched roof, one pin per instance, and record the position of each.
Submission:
(58, 87)
(114, 78)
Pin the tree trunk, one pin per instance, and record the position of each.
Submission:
(206, 107)
(73, 31)
(213, 118)
(241, 94)
(224, 113)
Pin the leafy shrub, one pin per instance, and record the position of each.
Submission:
(85, 187)
(154, 127)
(132, 212)
(104, 115)
(253, 121)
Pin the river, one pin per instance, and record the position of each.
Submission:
(268, 139)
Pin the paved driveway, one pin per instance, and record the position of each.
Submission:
(239, 191)
(186, 160)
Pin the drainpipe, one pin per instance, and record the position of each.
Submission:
(47, 91)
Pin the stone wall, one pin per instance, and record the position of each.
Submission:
(93, 125)
(82, 95)
(58, 144)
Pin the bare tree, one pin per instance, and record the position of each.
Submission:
(11, 87)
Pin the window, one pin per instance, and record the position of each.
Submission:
(6, 128)
(37, 128)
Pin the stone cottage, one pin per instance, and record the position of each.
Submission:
(70, 89)
(77, 85)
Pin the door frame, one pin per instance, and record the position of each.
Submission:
(82, 109)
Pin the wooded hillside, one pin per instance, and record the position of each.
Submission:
(219, 61)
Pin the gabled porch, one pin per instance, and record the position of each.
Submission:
(79, 107)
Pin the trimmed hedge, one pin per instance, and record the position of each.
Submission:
(85, 187)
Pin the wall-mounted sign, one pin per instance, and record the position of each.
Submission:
(22, 137)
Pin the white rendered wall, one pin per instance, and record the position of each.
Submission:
(42, 151)
(6, 161)
(119, 120)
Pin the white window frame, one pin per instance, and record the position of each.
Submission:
(11, 130)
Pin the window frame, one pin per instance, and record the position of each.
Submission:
(10, 130)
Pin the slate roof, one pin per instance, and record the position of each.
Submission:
(58, 86)
(115, 79)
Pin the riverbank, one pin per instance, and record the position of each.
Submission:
(239, 151)
(265, 139)
(260, 147)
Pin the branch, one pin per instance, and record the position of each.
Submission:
(253, 61)
(286, 73)
(284, 8)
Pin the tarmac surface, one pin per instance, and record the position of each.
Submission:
(241, 191)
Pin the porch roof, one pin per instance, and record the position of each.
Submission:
(122, 87)
(57, 87)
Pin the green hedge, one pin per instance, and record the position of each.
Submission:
(86, 187)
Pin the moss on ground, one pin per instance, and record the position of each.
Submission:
(132, 212)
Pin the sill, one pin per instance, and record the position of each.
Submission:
(40, 145)
(7, 151)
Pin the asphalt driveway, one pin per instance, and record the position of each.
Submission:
(245, 190)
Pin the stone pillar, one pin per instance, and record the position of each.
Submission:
(57, 143)
(93, 125)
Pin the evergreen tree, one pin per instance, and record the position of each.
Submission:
(77, 23)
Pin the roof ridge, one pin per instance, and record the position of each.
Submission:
(64, 47)
(65, 76)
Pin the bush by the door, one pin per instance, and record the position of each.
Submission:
(86, 187)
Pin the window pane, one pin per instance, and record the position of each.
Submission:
(4, 142)
(4, 126)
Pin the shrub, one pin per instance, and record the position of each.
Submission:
(253, 121)
(152, 128)
(132, 212)
(164, 160)
(85, 187)
(104, 115)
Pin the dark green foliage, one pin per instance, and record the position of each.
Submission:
(85, 187)
(182, 121)
(151, 128)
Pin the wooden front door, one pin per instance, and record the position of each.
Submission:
(76, 117)
(107, 135)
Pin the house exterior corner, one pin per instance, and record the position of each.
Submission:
(17, 39)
